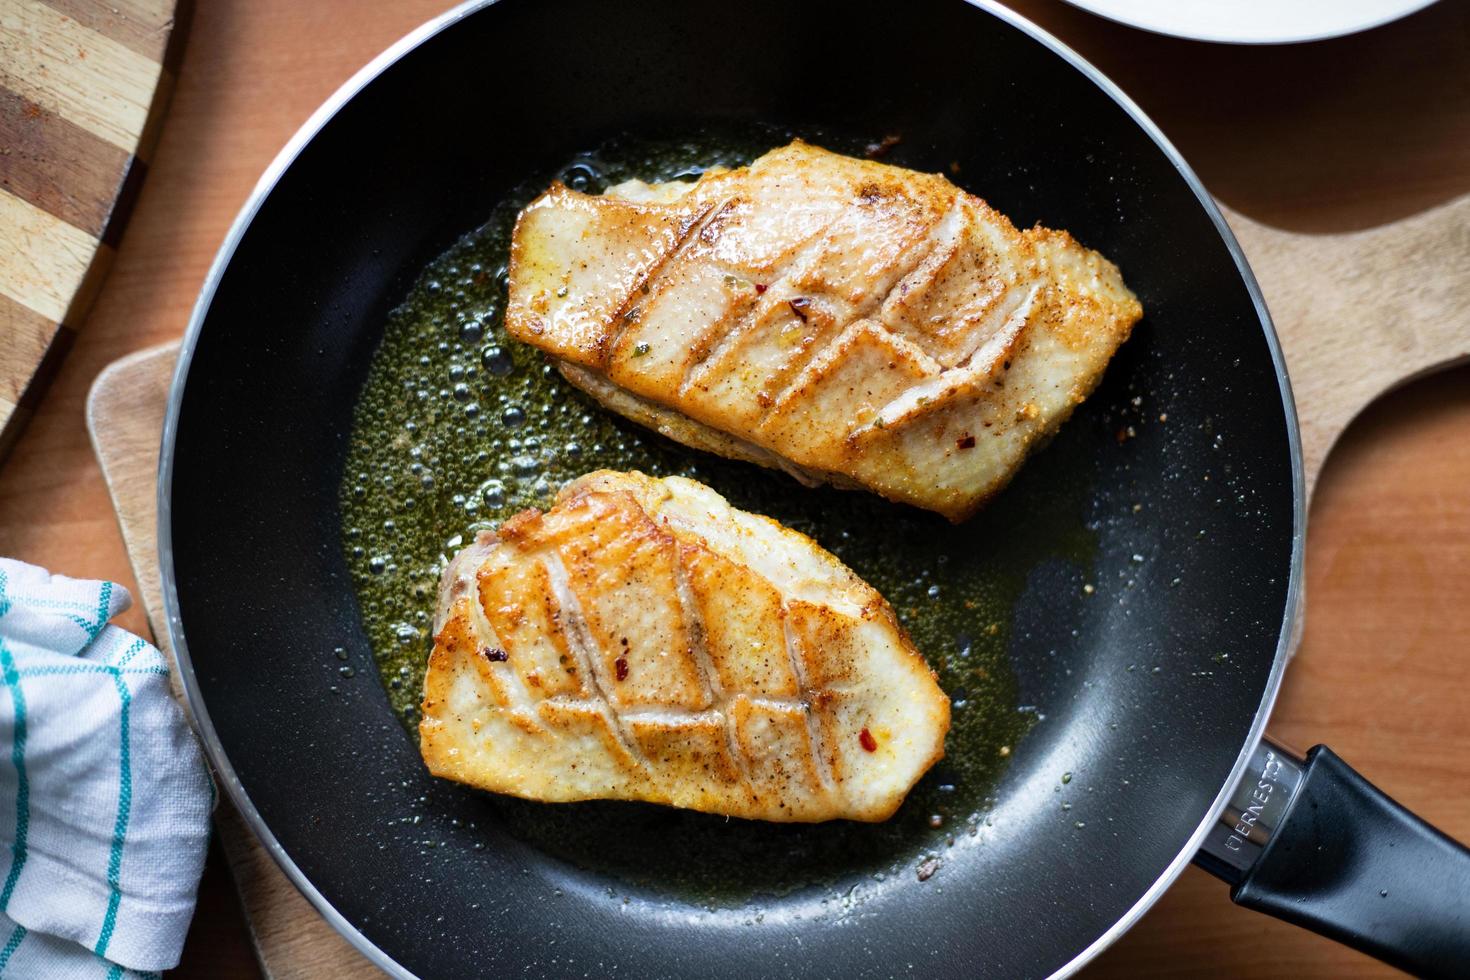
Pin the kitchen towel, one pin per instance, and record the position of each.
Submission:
(104, 796)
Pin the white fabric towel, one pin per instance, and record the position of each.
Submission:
(104, 796)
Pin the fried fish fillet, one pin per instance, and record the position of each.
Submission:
(644, 640)
(847, 321)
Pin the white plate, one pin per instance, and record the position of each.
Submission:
(1253, 21)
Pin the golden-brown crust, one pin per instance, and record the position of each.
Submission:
(743, 624)
(797, 311)
(516, 603)
(627, 645)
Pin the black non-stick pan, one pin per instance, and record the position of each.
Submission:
(1151, 688)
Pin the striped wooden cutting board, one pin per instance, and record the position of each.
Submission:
(82, 86)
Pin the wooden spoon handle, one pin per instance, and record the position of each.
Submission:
(1362, 312)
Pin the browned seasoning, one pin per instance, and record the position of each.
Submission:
(495, 654)
(867, 741)
(620, 668)
(966, 441)
(799, 306)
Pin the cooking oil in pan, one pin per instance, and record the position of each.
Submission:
(459, 427)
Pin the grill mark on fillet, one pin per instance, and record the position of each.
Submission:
(1014, 298)
(913, 257)
(709, 678)
(485, 636)
(775, 295)
(931, 393)
(688, 233)
(816, 743)
(584, 648)
(831, 359)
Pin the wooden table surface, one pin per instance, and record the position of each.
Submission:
(1340, 134)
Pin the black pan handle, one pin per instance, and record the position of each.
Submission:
(1313, 842)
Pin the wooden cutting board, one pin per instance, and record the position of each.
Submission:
(83, 84)
(1357, 312)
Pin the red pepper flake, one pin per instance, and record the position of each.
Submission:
(967, 441)
(799, 306)
(761, 287)
(33, 111)
(868, 742)
(620, 668)
(495, 655)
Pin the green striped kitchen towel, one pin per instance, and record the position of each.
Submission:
(104, 797)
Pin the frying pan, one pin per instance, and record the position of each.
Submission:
(1155, 694)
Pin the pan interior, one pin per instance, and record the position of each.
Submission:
(459, 427)
(1143, 557)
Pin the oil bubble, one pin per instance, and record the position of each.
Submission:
(581, 176)
(497, 361)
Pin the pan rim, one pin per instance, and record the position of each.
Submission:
(214, 749)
